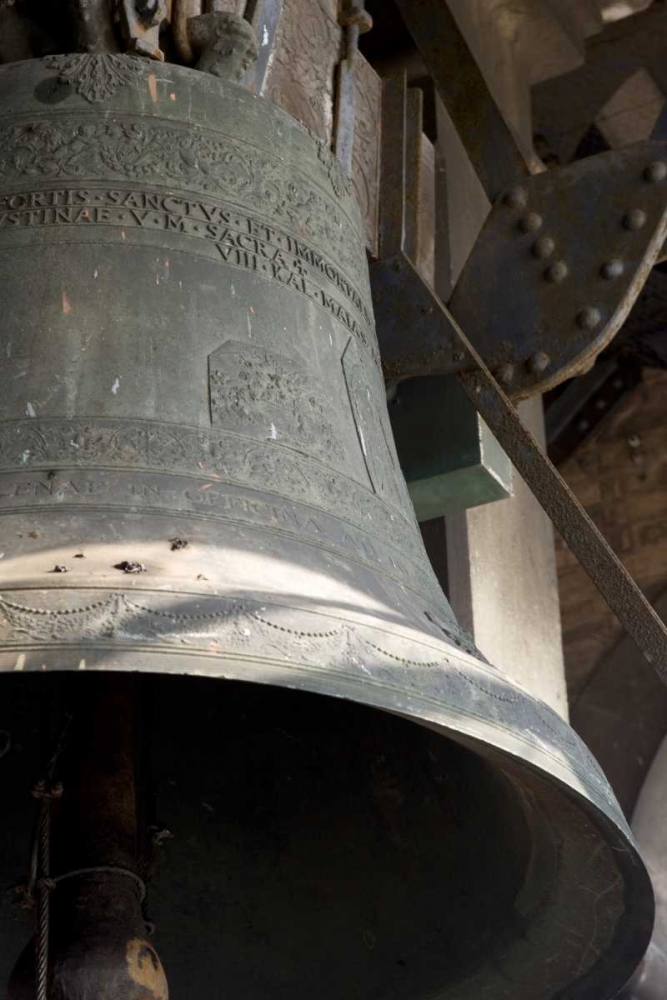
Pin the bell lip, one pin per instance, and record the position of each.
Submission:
(126, 655)
(476, 733)
(634, 932)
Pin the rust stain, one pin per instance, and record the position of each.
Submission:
(145, 969)
(152, 87)
(67, 305)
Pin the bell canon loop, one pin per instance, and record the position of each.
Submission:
(194, 432)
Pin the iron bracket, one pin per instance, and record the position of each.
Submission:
(539, 301)
(561, 259)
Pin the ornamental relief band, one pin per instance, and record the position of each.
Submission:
(139, 445)
(200, 160)
(237, 239)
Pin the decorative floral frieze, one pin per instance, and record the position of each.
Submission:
(96, 77)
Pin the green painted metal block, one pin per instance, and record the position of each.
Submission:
(449, 457)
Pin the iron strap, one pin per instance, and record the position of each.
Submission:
(568, 516)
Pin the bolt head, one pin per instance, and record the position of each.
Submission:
(589, 318)
(556, 272)
(612, 269)
(543, 248)
(505, 373)
(516, 197)
(656, 172)
(539, 362)
(634, 219)
(531, 222)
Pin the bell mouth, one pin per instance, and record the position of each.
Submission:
(320, 845)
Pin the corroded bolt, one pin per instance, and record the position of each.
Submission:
(557, 272)
(531, 223)
(589, 317)
(543, 247)
(656, 171)
(516, 197)
(505, 373)
(539, 362)
(634, 219)
(612, 269)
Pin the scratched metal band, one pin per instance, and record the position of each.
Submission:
(179, 470)
(179, 222)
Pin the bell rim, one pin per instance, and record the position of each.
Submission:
(478, 734)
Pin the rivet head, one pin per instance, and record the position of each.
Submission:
(516, 197)
(505, 373)
(543, 247)
(531, 222)
(589, 318)
(634, 219)
(539, 362)
(656, 172)
(458, 356)
(612, 269)
(556, 272)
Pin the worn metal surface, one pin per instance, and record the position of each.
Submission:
(415, 331)
(208, 370)
(553, 299)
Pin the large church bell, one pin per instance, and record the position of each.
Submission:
(198, 478)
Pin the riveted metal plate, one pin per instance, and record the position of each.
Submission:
(561, 259)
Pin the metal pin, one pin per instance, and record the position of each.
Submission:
(634, 219)
(612, 269)
(589, 318)
(656, 172)
(531, 223)
(556, 272)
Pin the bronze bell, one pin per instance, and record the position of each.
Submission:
(193, 430)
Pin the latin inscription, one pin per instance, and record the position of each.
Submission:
(238, 239)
